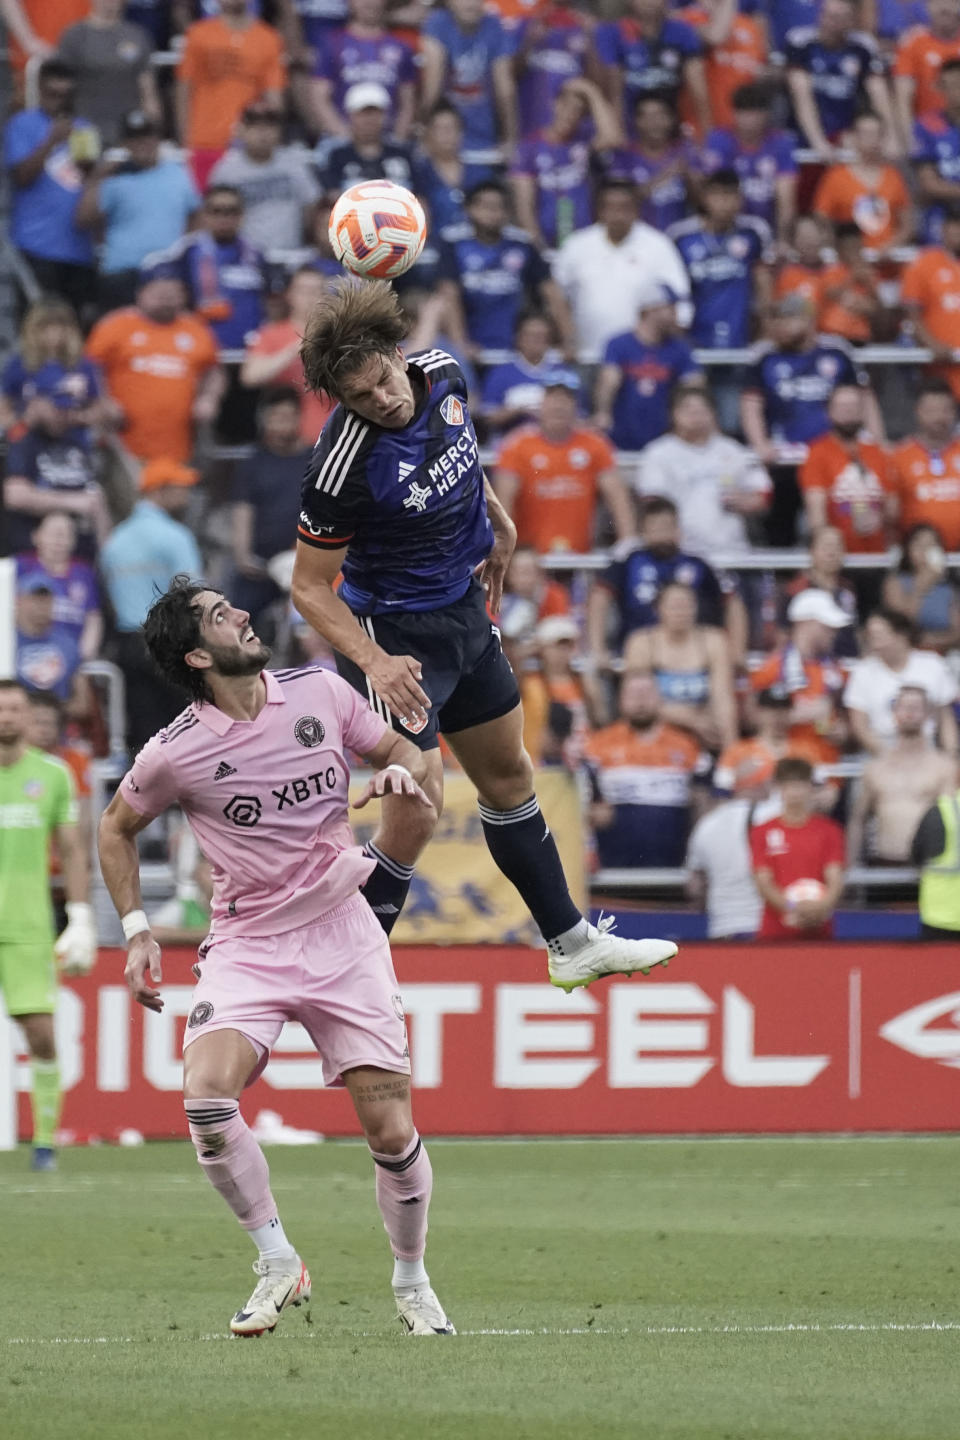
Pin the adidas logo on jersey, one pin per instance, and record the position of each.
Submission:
(223, 770)
(404, 471)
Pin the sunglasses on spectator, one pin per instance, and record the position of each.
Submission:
(223, 210)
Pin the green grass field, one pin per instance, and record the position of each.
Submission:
(678, 1290)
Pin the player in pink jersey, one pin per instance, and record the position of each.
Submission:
(257, 763)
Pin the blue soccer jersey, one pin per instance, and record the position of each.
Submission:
(649, 66)
(346, 59)
(796, 386)
(936, 142)
(561, 174)
(636, 576)
(759, 168)
(837, 73)
(721, 267)
(661, 179)
(471, 55)
(408, 504)
(495, 281)
(641, 407)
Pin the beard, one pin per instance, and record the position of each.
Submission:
(643, 721)
(849, 429)
(247, 661)
(11, 735)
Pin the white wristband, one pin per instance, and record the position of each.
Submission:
(402, 768)
(134, 923)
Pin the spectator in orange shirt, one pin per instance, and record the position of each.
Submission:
(529, 596)
(736, 46)
(804, 271)
(804, 666)
(848, 482)
(930, 292)
(550, 476)
(160, 367)
(869, 192)
(916, 69)
(558, 703)
(273, 355)
(227, 62)
(34, 27)
(751, 762)
(850, 296)
(927, 466)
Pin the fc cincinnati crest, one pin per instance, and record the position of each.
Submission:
(452, 410)
(414, 726)
(309, 731)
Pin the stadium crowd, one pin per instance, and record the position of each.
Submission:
(661, 243)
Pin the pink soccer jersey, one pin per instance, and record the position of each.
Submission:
(266, 798)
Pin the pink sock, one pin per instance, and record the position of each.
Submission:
(234, 1163)
(404, 1186)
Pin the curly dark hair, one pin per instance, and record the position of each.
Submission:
(354, 321)
(172, 629)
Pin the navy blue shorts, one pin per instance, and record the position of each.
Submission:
(465, 672)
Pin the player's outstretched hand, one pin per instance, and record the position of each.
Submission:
(394, 780)
(396, 679)
(143, 962)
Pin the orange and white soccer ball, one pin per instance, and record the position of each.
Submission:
(377, 229)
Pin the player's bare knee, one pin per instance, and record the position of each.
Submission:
(509, 782)
(39, 1035)
(390, 1136)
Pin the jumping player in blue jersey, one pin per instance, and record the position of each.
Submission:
(396, 499)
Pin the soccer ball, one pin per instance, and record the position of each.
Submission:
(377, 229)
(805, 890)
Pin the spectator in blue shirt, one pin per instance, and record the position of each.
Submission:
(829, 69)
(140, 204)
(137, 563)
(552, 172)
(50, 468)
(553, 46)
(650, 52)
(364, 52)
(787, 15)
(44, 153)
(513, 391)
(73, 582)
(444, 174)
(936, 154)
(725, 254)
(467, 56)
(640, 369)
(47, 653)
(50, 362)
(227, 279)
(660, 161)
(489, 271)
(761, 156)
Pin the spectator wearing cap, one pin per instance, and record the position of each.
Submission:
(936, 153)
(137, 204)
(717, 484)
(640, 369)
(51, 468)
(275, 181)
(551, 171)
(227, 62)
(891, 662)
(273, 354)
(367, 153)
(847, 482)
(550, 478)
(928, 292)
(829, 67)
(805, 668)
(600, 269)
(642, 772)
(624, 596)
(467, 56)
(73, 582)
(364, 51)
(825, 572)
(719, 864)
(659, 159)
(266, 499)
(137, 563)
(785, 397)
(111, 59)
(513, 390)
(558, 709)
(48, 361)
(761, 156)
(160, 367)
(47, 653)
(41, 147)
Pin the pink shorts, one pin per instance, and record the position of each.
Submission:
(336, 977)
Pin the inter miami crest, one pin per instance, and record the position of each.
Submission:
(309, 731)
(200, 1014)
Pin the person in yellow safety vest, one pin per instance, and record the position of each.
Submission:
(936, 850)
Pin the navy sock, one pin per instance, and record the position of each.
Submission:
(524, 849)
(386, 887)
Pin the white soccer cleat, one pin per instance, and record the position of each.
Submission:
(420, 1312)
(607, 954)
(278, 1288)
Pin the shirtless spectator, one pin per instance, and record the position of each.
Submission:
(899, 785)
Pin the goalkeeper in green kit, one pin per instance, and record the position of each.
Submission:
(37, 803)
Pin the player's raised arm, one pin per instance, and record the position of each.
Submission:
(395, 678)
(120, 865)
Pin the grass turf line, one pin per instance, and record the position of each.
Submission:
(676, 1267)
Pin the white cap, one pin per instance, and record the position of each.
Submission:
(368, 95)
(818, 605)
(650, 294)
(557, 627)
